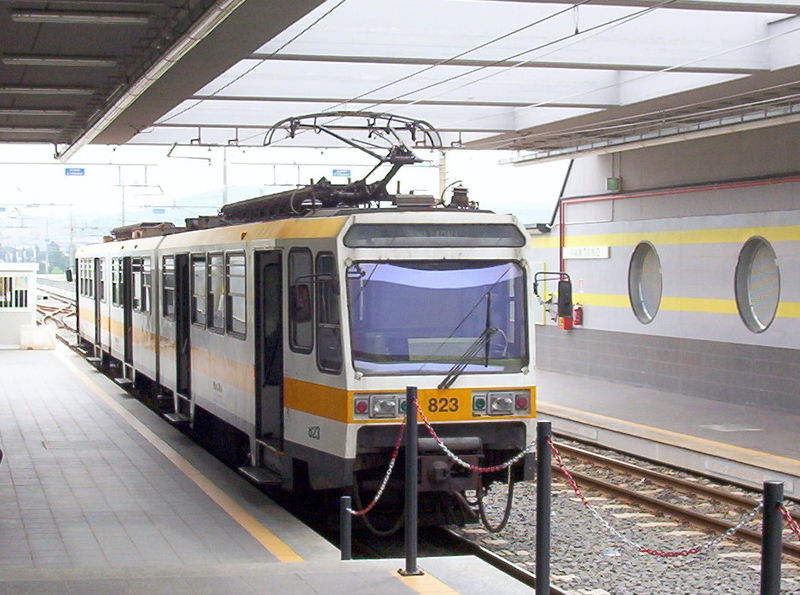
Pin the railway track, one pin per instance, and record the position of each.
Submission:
(657, 480)
(61, 312)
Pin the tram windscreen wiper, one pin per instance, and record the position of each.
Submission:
(472, 351)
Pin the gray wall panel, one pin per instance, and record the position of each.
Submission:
(769, 151)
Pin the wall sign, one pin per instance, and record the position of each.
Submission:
(586, 252)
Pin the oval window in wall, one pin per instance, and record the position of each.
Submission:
(644, 282)
(757, 284)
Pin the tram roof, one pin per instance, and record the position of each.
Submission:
(551, 79)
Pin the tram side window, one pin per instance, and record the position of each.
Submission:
(301, 307)
(168, 285)
(88, 282)
(136, 273)
(235, 282)
(147, 282)
(216, 297)
(102, 280)
(199, 290)
(329, 334)
(116, 281)
(80, 277)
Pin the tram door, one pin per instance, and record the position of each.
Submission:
(269, 347)
(183, 347)
(98, 287)
(127, 317)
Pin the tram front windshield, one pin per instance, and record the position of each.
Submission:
(423, 317)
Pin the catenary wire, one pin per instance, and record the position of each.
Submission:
(441, 62)
(257, 64)
(666, 69)
(602, 27)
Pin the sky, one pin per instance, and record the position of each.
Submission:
(78, 202)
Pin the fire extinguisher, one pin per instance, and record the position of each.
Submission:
(577, 315)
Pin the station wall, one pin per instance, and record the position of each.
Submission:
(697, 204)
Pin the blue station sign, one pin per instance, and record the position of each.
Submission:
(74, 171)
(341, 173)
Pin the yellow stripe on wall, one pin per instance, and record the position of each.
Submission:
(735, 235)
(682, 304)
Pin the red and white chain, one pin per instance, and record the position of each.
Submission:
(793, 525)
(746, 518)
(385, 481)
(458, 461)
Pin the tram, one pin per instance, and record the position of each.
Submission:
(285, 330)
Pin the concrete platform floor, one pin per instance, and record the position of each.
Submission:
(100, 495)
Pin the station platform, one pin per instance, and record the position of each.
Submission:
(98, 494)
(740, 443)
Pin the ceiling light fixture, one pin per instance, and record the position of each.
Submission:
(25, 90)
(21, 111)
(82, 61)
(80, 18)
(29, 130)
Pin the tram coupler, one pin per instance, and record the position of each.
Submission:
(439, 473)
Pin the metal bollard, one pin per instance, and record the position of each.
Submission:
(544, 478)
(345, 529)
(411, 484)
(771, 538)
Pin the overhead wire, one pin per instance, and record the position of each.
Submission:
(582, 35)
(594, 30)
(260, 62)
(443, 62)
(603, 27)
(666, 69)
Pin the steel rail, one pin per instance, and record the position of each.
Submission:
(691, 516)
(671, 481)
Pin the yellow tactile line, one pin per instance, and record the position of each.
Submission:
(425, 583)
(712, 447)
(249, 523)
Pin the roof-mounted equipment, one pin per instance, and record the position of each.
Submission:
(383, 133)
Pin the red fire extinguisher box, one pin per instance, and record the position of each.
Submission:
(577, 315)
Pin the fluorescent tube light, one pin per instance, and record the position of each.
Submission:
(30, 130)
(82, 61)
(27, 90)
(80, 18)
(21, 111)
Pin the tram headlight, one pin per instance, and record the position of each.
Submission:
(384, 406)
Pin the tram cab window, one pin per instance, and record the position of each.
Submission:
(216, 297)
(235, 282)
(301, 330)
(168, 285)
(329, 333)
(199, 290)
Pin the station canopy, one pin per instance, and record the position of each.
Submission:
(550, 79)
